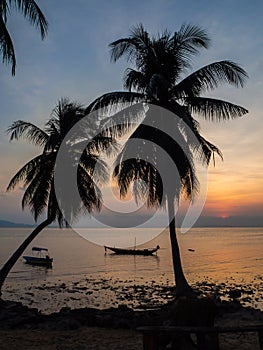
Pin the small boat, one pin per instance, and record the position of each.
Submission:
(41, 258)
(132, 251)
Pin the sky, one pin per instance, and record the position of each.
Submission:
(74, 61)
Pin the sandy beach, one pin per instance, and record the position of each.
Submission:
(91, 338)
(102, 339)
(116, 328)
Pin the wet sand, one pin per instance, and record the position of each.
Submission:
(105, 292)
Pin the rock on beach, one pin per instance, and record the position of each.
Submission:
(115, 328)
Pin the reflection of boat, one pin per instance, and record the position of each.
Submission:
(133, 251)
(41, 258)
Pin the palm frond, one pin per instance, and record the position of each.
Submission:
(134, 79)
(148, 181)
(120, 47)
(39, 200)
(95, 167)
(53, 209)
(54, 141)
(89, 192)
(202, 148)
(123, 122)
(64, 107)
(186, 43)
(114, 101)
(29, 131)
(6, 44)
(190, 128)
(102, 143)
(133, 46)
(64, 116)
(209, 150)
(23, 172)
(36, 195)
(142, 159)
(210, 77)
(39, 184)
(191, 38)
(213, 109)
(4, 9)
(32, 12)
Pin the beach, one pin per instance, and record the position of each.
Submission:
(115, 328)
(24, 327)
(88, 338)
(100, 339)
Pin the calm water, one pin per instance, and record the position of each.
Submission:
(220, 254)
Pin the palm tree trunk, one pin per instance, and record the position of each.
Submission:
(16, 255)
(182, 286)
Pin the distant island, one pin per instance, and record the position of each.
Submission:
(202, 221)
(230, 221)
(5, 223)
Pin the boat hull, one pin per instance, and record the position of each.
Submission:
(132, 251)
(32, 260)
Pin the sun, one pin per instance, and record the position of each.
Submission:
(224, 216)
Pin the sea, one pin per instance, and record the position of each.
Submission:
(83, 274)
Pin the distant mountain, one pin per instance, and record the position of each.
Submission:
(230, 221)
(4, 223)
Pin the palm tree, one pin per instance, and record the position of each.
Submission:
(159, 78)
(38, 173)
(31, 12)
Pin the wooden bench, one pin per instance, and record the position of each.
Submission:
(151, 335)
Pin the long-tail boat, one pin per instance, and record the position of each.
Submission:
(133, 251)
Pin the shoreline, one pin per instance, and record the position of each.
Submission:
(106, 292)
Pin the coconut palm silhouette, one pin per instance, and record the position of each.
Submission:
(161, 76)
(38, 174)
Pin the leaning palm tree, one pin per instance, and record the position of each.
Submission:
(38, 174)
(160, 76)
(31, 12)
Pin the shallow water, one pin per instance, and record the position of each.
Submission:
(222, 255)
